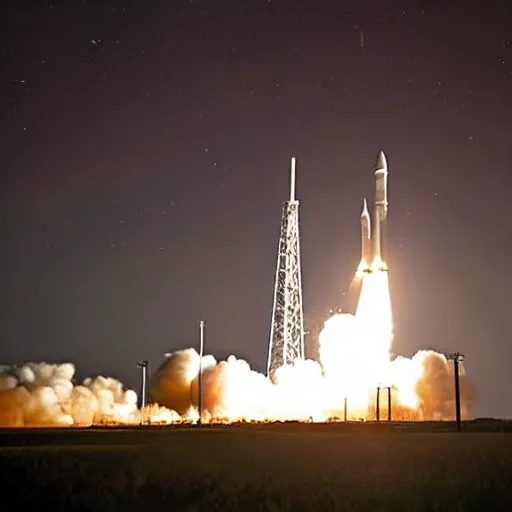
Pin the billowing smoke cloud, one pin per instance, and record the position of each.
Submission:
(41, 394)
(355, 360)
(174, 379)
(422, 387)
(435, 388)
(232, 391)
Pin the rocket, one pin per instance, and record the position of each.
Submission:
(373, 256)
(366, 236)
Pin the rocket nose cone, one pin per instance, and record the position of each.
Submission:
(381, 162)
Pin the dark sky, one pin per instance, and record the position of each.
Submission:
(145, 153)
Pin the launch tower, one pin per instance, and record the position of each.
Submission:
(287, 328)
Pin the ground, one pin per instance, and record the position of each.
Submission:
(261, 467)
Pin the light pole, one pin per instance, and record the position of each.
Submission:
(143, 365)
(457, 358)
(200, 375)
(377, 404)
(389, 402)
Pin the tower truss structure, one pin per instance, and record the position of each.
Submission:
(286, 343)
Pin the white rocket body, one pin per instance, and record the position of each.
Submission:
(373, 255)
(366, 237)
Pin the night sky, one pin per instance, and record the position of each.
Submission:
(145, 156)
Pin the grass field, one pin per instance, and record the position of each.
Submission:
(377, 467)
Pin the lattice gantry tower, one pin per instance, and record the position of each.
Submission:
(287, 328)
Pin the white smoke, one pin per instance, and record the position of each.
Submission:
(41, 394)
(422, 386)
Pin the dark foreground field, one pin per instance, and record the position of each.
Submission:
(307, 467)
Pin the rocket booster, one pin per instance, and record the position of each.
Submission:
(373, 237)
(366, 236)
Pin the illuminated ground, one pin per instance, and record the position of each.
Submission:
(261, 467)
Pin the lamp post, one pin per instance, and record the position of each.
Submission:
(377, 405)
(377, 402)
(457, 358)
(200, 375)
(389, 403)
(143, 365)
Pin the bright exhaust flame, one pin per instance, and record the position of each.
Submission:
(355, 358)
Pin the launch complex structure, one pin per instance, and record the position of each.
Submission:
(287, 326)
(286, 344)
